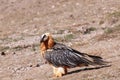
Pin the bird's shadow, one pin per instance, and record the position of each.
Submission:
(85, 69)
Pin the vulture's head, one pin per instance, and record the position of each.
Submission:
(46, 41)
(45, 37)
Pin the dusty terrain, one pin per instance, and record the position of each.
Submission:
(89, 26)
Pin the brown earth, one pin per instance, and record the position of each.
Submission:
(89, 26)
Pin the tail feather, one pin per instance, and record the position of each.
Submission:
(96, 60)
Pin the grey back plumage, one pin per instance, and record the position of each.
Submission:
(61, 55)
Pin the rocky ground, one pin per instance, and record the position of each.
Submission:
(89, 26)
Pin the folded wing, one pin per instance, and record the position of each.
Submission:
(64, 56)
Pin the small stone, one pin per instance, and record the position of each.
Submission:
(37, 65)
(53, 6)
(3, 53)
(14, 53)
(31, 65)
(77, 4)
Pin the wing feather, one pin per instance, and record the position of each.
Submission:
(62, 55)
(65, 56)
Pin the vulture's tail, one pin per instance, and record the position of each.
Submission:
(96, 60)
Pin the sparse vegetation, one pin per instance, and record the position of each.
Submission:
(60, 31)
(35, 47)
(20, 47)
(112, 18)
(64, 38)
(2, 48)
(101, 22)
(110, 33)
(108, 30)
(59, 39)
(112, 30)
(68, 37)
(114, 14)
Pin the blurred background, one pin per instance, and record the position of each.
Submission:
(90, 26)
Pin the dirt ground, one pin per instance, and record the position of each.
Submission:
(89, 26)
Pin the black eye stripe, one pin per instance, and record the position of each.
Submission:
(42, 38)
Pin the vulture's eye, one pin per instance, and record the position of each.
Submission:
(43, 38)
